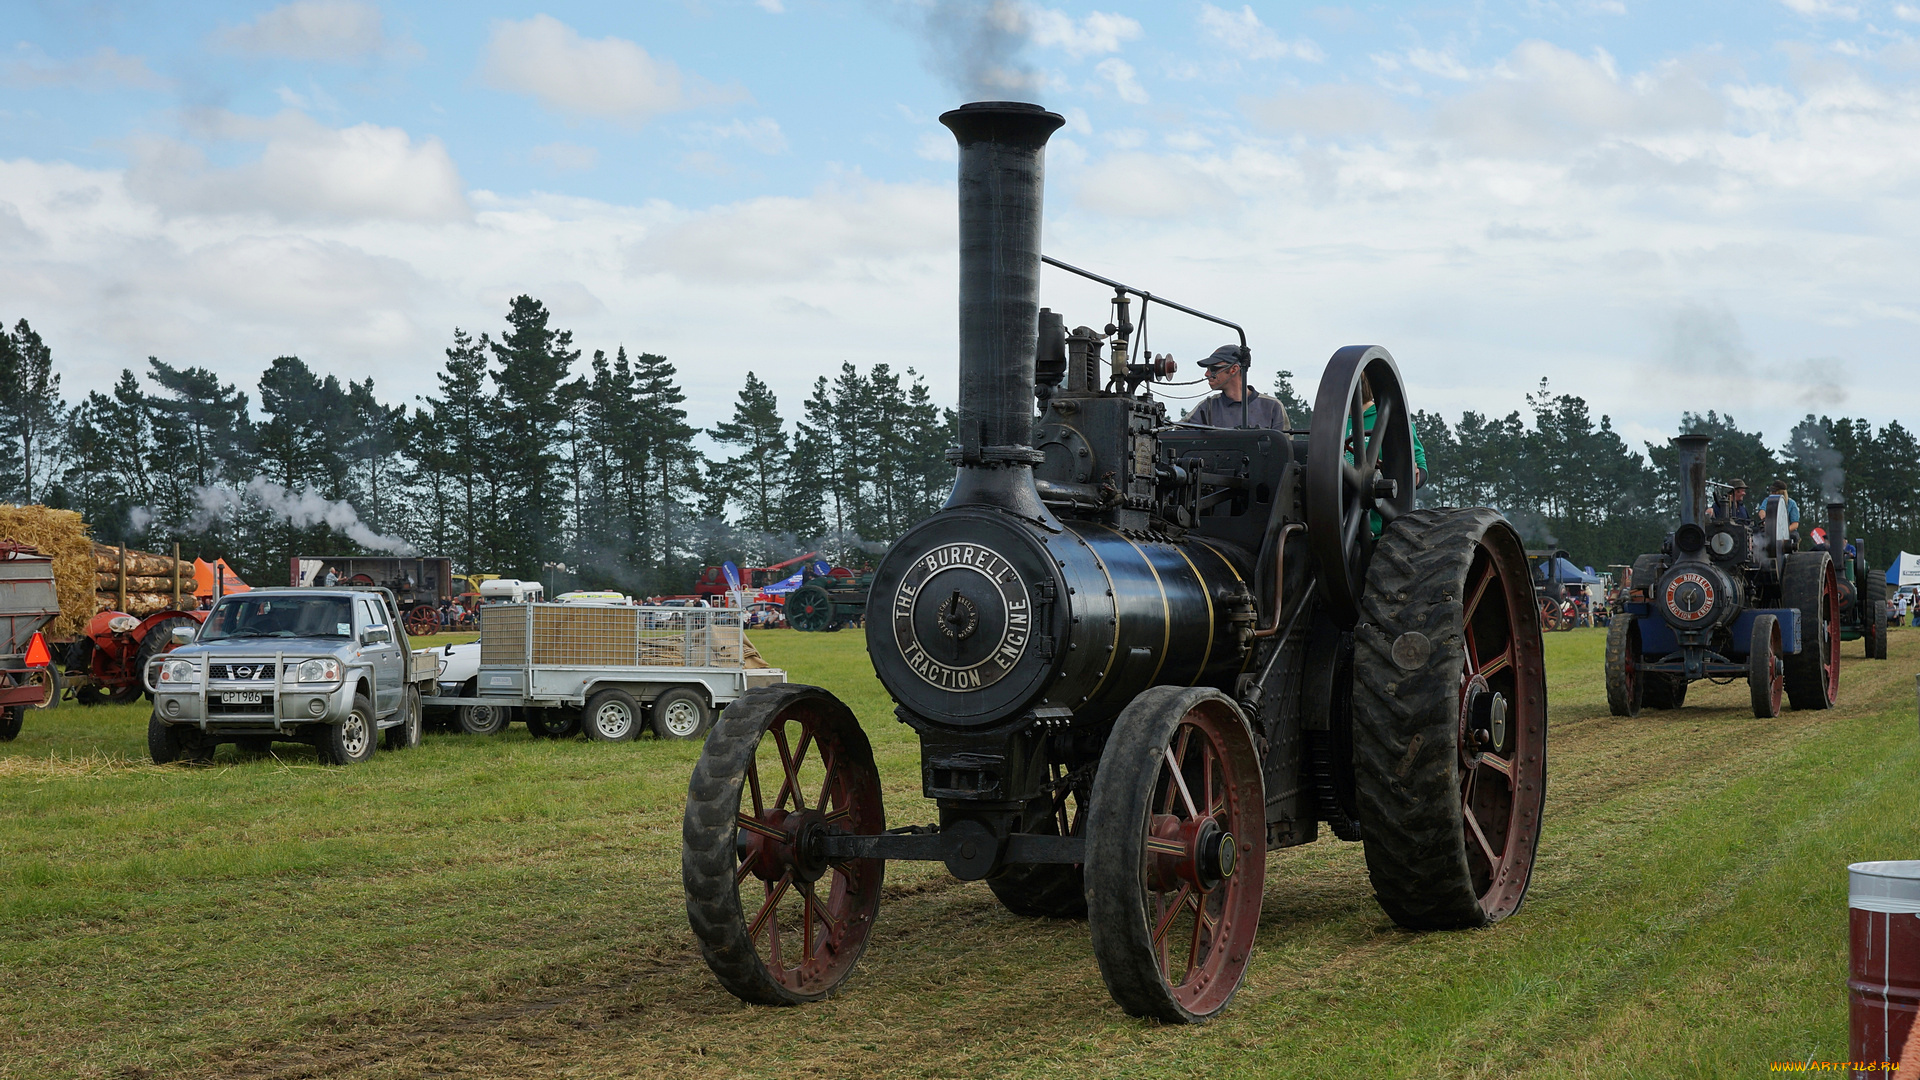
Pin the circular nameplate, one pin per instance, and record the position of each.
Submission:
(961, 617)
(1689, 597)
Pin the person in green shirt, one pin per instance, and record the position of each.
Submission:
(1419, 451)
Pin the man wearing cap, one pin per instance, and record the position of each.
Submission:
(1779, 487)
(1234, 403)
(1737, 508)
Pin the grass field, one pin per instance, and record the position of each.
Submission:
(511, 907)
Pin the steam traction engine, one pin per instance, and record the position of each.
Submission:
(1138, 655)
(1723, 600)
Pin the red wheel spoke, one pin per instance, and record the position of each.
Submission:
(1171, 913)
(790, 764)
(1180, 781)
(745, 868)
(826, 786)
(1478, 591)
(829, 926)
(775, 890)
(834, 817)
(755, 825)
(806, 923)
(1505, 658)
(753, 783)
(1201, 924)
(1500, 765)
(1480, 838)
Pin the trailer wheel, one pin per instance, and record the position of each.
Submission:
(1450, 720)
(1813, 674)
(407, 735)
(779, 924)
(1873, 593)
(352, 740)
(1624, 683)
(11, 718)
(485, 719)
(1176, 854)
(1766, 670)
(681, 713)
(168, 743)
(612, 716)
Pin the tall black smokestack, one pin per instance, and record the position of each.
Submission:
(1002, 173)
(1693, 476)
(1837, 531)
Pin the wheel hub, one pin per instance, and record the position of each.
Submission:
(1485, 724)
(1194, 851)
(779, 841)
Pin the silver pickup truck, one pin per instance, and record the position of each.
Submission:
(331, 667)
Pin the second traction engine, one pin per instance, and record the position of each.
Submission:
(1138, 654)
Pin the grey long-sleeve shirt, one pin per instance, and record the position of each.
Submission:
(1260, 411)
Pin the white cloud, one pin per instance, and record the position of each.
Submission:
(310, 30)
(1543, 97)
(305, 171)
(1138, 185)
(1245, 34)
(610, 77)
(104, 68)
(761, 133)
(1823, 9)
(775, 7)
(1439, 63)
(1093, 35)
(1907, 12)
(566, 156)
(936, 146)
(1121, 75)
(1330, 109)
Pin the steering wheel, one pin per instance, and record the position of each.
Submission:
(1354, 472)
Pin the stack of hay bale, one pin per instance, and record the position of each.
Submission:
(62, 535)
(150, 580)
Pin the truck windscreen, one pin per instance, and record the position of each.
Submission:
(280, 617)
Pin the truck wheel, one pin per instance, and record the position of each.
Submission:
(1449, 720)
(612, 716)
(407, 735)
(1624, 684)
(485, 719)
(175, 742)
(10, 719)
(352, 740)
(681, 713)
(1873, 593)
(1176, 854)
(1813, 674)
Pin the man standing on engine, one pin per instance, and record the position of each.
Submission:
(1234, 403)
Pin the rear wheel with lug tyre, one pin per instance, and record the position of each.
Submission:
(1810, 586)
(682, 713)
(353, 739)
(1623, 666)
(1873, 593)
(1048, 890)
(1766, 669)
(1176, 854)
(1450, 720)
(612, 716)
(559, 723)
(406, 735)
(779, 923)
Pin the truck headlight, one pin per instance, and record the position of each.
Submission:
(325, 669)
(177, 671)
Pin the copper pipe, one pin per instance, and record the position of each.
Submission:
(1279, 579)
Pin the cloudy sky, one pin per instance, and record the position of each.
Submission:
(1657, 206)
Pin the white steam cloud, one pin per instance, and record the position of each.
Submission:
(301, 508)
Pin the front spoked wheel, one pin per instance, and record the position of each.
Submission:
(1176, 854)
(779, 923)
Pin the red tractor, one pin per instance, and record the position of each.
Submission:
(109, 661)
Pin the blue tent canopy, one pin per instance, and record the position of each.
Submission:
(1569, 573)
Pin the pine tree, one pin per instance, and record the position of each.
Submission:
(531, 362)
(35, 415)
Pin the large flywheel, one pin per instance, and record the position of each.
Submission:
(1360, 470)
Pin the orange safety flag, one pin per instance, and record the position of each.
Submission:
(38, 655)
(204, 574)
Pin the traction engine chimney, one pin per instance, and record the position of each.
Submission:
(1002, 171)
(1693, 477)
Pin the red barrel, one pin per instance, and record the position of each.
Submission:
(1883, 922)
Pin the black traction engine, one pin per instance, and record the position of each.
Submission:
(1138, 655)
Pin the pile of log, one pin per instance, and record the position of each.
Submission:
(151, 582)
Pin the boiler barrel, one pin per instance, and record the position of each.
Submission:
(1883, 988)
(977, 618)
